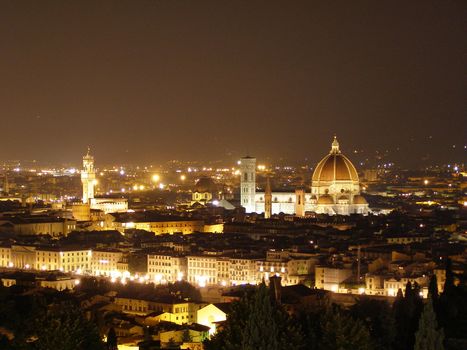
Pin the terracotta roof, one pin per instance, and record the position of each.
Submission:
(325, 199)
(357, 199)
(335, 167)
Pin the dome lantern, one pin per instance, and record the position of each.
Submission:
(335, 146)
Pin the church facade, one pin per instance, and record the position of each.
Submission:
(335, 190)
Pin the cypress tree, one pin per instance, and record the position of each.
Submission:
(449, 283)
(112, 343)
(406, 312)
(428, 336)
(408, 290)
(400, 316)
(433, 289)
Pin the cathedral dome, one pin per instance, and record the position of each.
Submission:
(358, 199)
(205, 184)
(325, 199)
(335, 167)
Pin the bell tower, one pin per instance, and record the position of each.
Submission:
(248, 184)
(267, 200)
(300, 202)
(88, 177)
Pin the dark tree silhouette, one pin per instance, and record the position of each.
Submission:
(428, 336)
(64, 327)
(112, 342)
(340, 331)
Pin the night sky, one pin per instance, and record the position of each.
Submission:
(150, 81)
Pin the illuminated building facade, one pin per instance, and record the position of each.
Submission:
(166, 268)
(329, 277)
(202, 270)
(242, 271)
(39, 225)
(176, 311)
(110, 205)
(5, 256)
(66, 260)
(46, 258)
(158, 226)
(104, 262)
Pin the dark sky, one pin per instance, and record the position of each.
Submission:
(149, 81)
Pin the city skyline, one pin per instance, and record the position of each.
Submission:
(218, 175)
(152, 81)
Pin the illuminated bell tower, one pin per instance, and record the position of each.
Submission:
(300, 202)
(248, 184)
(267, 200)
(88, 177)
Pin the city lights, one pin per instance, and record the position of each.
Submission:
(233, 175)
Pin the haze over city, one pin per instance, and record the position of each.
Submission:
(151, 81)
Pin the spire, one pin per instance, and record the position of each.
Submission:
(335, 146)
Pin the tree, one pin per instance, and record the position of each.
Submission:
(379, 319)
(408, 290)
(449, 283)
(342, 332)
(64, 327)
(407, 311)
(185, 290)
(452, 305)
(428, 336)
(256, 322)
(137, 263)
(310, 322)
(112, 343)
(433, 289)
(186, 337)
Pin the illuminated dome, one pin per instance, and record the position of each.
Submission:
(325, 199)
(358, 199)
(335, 167)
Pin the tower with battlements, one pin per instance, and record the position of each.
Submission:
(88, 177)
